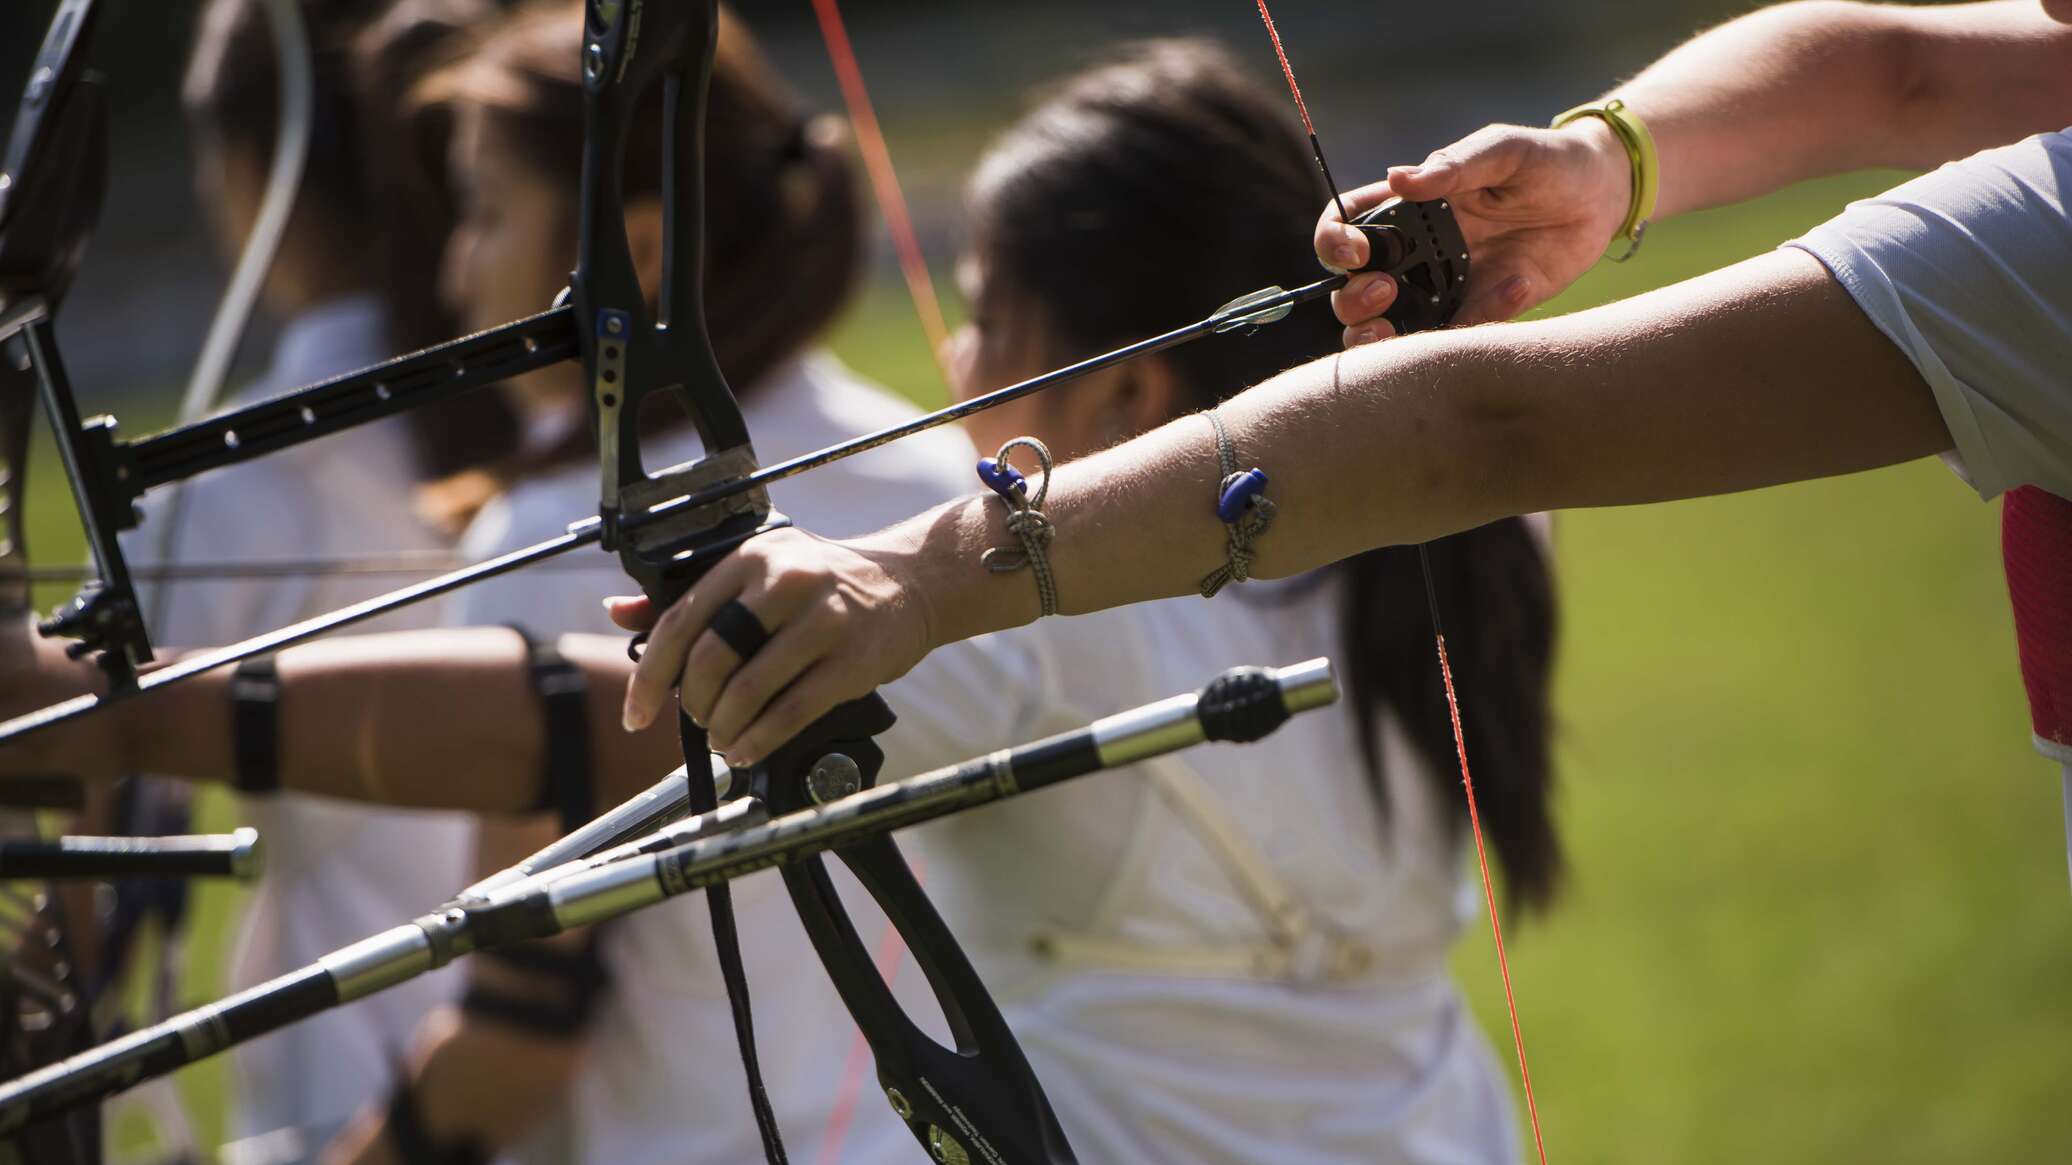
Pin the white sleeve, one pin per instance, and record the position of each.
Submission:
(1968, 270)
(966, 699)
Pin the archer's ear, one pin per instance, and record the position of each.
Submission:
(644, 238)
(1151, 394)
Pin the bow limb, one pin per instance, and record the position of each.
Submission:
(982, 1093)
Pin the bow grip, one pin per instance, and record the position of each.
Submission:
(1419, 244)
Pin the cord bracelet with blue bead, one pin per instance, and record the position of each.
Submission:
(1026, 520)
(1243, 508)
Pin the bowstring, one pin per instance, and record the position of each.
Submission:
(1460, 741)
(884, 179)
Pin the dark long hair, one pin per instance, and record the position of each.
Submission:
(1138, 197)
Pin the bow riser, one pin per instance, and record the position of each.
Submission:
(632, 354)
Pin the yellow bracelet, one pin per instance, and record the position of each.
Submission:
(1640, 150)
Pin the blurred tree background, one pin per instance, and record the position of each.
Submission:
(1818, 909)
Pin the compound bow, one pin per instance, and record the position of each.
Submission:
(668, 526)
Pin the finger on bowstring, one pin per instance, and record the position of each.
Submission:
(630, 612)
(812, 695)
(793, 649)
(1338, 245)
(669, 641)
(1363, 297)
(1505, 297)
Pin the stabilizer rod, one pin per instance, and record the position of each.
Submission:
(1240, 706)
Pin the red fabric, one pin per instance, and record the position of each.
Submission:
(2036, 544)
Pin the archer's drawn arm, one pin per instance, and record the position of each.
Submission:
(427, 719)
(1783, 94)
(1763, 373)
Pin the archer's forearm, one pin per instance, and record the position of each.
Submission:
(1763, 373)
(425, 719)
(1807, 89)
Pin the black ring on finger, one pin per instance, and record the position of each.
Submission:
(738, 628)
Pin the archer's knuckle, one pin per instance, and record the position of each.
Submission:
(751, 685)
(797, 707)
(790, 580)
(673, 620)
(708, 655)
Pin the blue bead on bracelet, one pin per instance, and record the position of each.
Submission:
(1239, 490)
(1003, 479)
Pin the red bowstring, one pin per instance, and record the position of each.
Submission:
(1496, 929)
(1460, 740)
(1287, 70)
(877, 162)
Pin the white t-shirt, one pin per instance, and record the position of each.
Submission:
(335, 872)
(662, 1084)
(1149, 1046)
(1968, 270)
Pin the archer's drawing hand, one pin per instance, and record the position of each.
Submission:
(841, 622)
(1537, 206)
(33, 673)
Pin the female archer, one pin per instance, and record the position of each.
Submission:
(578, 1049)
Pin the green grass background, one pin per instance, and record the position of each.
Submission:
(1819, 907)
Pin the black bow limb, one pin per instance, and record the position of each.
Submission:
(982, 1092)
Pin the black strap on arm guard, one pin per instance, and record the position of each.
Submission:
(563, 692)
